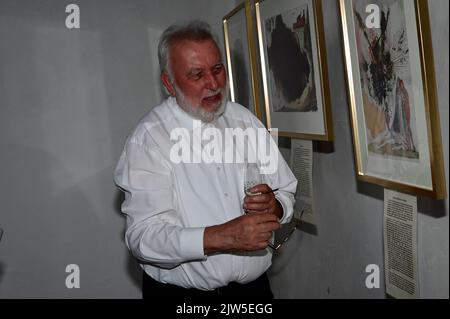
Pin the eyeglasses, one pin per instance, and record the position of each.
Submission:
(275, 247)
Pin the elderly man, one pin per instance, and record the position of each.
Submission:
(190, 225)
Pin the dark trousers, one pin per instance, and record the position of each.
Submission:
(257, 289)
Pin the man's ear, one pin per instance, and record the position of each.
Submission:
(165, 79)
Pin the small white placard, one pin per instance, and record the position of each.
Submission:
(302, 166)
(400, 245)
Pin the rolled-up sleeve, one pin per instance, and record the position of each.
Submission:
(279, 175)
(286, 183)
(152, 232)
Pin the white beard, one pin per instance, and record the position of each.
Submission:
(197, 111)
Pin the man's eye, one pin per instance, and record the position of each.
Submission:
(196, 76)
(218, 69)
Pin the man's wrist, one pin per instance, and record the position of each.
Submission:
(213, 240)
(279, 211)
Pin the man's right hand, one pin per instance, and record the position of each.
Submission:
(245, 233)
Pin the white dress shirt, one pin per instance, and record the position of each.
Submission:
(168, 205)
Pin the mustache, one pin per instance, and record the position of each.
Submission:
(215, 92)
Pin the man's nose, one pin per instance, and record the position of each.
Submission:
(212, 82)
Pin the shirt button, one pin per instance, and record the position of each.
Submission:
(226, 194)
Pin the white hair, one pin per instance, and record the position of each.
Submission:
(195, 30)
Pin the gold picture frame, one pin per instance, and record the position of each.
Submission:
(294, 68)
(241, 57)
(393, 100)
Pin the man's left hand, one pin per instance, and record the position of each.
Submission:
(263, 201)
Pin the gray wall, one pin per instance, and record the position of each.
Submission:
(349, 215)
(68, 99)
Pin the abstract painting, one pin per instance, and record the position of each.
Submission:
(289, 51)
(384, 64)
(241, 57)
(294, 68)
(392, 93)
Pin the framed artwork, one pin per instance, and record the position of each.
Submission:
(392, 91)
(294, 68)
(241, 57)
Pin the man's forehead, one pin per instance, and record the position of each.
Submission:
(187, 44)
(197, 54)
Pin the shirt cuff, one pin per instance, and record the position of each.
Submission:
(287, 208)
(191, 243)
